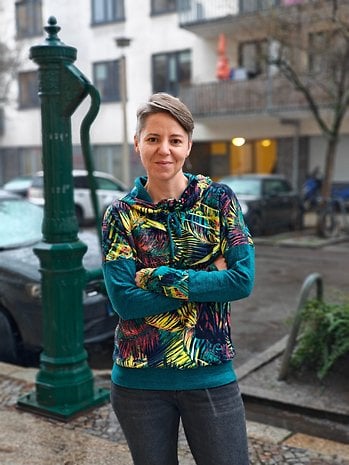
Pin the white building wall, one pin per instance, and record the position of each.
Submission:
(317, 157)
(149, 34)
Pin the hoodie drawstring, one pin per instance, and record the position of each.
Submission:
(173, 223)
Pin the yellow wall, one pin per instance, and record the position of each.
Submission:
(253, 157)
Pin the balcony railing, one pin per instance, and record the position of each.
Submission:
(250, 97)
(199, 11)
(193, 11)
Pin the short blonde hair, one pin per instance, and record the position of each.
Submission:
(165, 103)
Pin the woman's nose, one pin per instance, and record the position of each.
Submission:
(164, 147)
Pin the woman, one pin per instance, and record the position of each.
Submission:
(176, 252)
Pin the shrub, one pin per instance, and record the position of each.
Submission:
(324, 336)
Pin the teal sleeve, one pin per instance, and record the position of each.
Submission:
(209, 286)
(225, 285)
(128, 300)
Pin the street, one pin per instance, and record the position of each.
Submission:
(266, 316)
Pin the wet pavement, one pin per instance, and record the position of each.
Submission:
(95, 437)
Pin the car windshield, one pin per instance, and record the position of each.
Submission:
(244, 186)
(18, 183)
(20, 223)
(38, 181)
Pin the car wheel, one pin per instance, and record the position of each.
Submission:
(255, 224)
(8, 342)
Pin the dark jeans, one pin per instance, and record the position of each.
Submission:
(213, 420)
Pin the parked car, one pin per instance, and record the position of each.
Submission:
(108, 189)
(19, 185)
(20, 285)
(268, 202)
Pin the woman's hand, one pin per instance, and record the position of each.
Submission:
(220, 263)
(142, 274)
(141, 277)
(138, 279)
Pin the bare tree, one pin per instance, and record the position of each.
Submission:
(311, 49)
(8, 67)
(9, 61)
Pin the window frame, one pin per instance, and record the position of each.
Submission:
(260, 64)
(174, 55)
(115, 18)
(113, 80)
(32, 100)
(170, 7)
(32, 10)
(319, 61)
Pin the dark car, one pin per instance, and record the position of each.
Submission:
(20, 285)
(268, 202)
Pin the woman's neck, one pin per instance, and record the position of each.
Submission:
(167, 190)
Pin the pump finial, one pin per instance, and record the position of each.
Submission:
(52, 29)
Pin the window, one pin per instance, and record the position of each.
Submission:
(28, 89)
(321, 61)
(185, 5)
(249, 6)
(253, 57)
(317, 48)
(276, 187)
(170, 70)
(106, 79)
(163, 6)
(107, 11)
(29, 18)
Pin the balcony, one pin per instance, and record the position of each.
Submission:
(251, 97)
(209, 17)
(194, 11)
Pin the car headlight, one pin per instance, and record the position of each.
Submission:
(244, 207)
(33, 290)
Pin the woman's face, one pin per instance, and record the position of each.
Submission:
(163, 146)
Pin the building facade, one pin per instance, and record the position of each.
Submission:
(247, 118)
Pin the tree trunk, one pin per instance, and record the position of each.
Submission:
(329, 168)
(326, 189)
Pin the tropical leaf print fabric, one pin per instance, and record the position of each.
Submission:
(168, 242)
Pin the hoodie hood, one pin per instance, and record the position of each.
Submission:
(192, 193)
(168, 211)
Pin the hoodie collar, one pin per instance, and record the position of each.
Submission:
(140, 195)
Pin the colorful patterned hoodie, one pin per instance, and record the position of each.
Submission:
(174, 330)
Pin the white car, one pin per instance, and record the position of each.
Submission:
(108, 189)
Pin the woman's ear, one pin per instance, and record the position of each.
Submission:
(135, 143)
(190, 144)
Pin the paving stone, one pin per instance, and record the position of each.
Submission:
(95, 438)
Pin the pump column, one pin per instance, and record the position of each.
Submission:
(64, 383)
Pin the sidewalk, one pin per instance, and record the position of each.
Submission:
(307, 237)
(95, 438)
